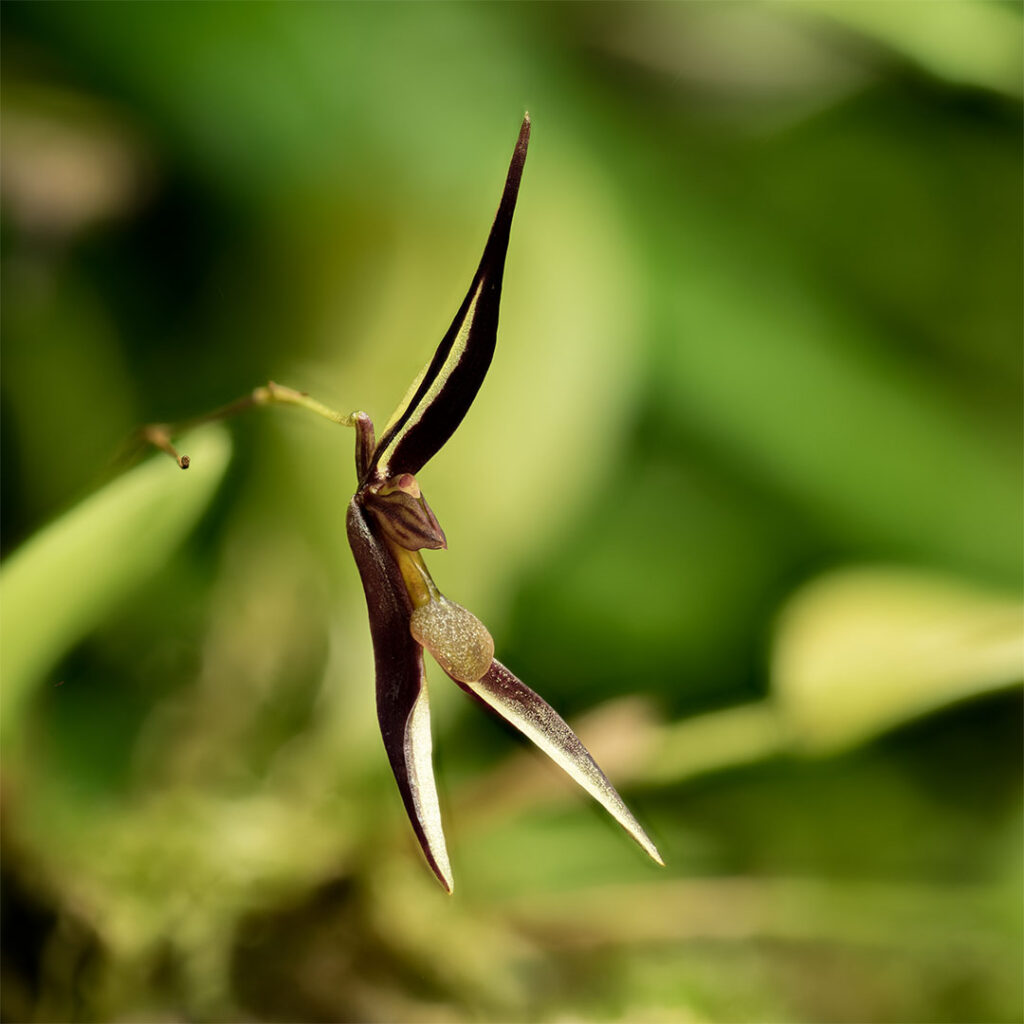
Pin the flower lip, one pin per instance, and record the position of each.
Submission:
(457, 639)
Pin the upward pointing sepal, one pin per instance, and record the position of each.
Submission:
(443, 392)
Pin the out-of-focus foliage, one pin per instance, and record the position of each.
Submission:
(741, 495)
(69, 578)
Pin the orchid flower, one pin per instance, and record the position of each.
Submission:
(389, 523)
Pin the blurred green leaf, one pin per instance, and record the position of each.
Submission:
(68, 578)
(862, 650)
(804, 393)
(962, 41)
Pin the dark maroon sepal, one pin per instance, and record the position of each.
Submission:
(464, 355)
(402, 709)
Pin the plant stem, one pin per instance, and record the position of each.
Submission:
(278, 393)
(159, 434)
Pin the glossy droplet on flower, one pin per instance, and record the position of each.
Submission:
(456, 638)
(403, 514)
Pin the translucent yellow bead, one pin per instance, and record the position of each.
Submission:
(456, 638)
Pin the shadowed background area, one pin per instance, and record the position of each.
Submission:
(741, 497)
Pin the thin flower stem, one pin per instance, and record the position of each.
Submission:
(271, 393)
(278, 393)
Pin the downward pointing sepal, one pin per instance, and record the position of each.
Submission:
(403, 711)
(538, 721)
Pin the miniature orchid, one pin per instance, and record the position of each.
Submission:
(390, 522)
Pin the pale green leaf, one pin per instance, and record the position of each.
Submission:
(863, 650)
(960, 41)
(70, 576)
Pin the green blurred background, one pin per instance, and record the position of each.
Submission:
(741, 497)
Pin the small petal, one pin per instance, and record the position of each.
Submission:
(405, 519)
(538, 721)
